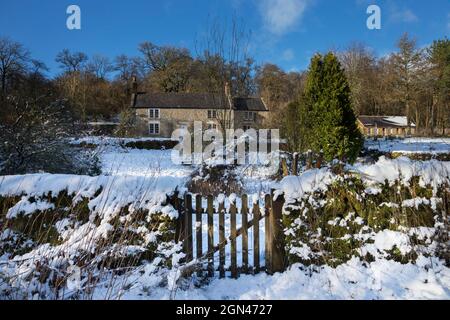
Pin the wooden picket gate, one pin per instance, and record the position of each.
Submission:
(190, 219)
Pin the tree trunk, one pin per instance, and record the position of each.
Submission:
(3, 84)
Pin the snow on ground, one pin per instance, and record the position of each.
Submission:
(145, 163)
(410, 145)
(103, 140)
(118, 161)
(379, 280)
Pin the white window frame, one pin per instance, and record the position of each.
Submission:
(250, 116)
(155, 132)
(212, 114)
(212, 125)
(154, 111)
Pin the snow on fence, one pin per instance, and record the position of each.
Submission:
(218, 237)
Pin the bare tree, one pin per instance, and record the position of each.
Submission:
(33, 140)
(408, 65)
(227, 66)
(360, 68)
(278, 89)
(71, 62)
(100, 65)
(168, 69)
(127, 67)
(158, 58)
(13, 60)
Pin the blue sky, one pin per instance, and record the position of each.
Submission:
(285, 32)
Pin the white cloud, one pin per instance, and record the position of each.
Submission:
(282, 15)
(288, 55)
(405, 15)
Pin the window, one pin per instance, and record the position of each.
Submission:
(212, 114)
(153, 113)
(249, 116)
(247, 128)
(153, 128)
(212, 126)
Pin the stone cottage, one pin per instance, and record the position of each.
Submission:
(159, 114)
(385, 126)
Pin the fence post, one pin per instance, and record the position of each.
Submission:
(210, 236)
(277, 248)
(179, 229)
(268, 233)
(244, 215)
(222, 240)
(198, 227)
(256, 217)
(233, 211)
(188, 250)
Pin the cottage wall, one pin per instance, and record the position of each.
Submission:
(171, 119)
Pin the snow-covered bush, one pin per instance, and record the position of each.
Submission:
(336, 217)
(34, 139)
(80, 237)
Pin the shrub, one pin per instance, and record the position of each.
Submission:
(330, 227)
(48, 244)
(214, 180)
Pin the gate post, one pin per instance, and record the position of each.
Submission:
(179, 229)
(277, 245)
(187, 245)
(267, 232)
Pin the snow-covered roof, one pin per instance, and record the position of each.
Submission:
(385, 121)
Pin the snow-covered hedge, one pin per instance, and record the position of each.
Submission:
(394, 209)
(63, 235)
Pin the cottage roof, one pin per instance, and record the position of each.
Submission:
(196, 101)
(385, 121)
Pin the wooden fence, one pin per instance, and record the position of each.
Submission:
(190, 228)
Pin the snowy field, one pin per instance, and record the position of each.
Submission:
(383, 279)
(116, 161)
(410, 145)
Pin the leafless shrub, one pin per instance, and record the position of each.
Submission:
(34, 139)
(215, 180)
